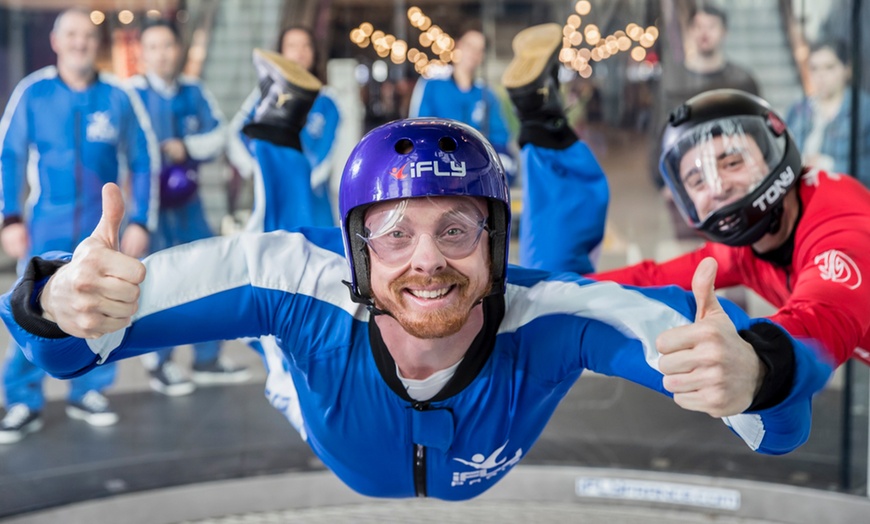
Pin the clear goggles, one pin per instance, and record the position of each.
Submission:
(454, 224)
(720, 162)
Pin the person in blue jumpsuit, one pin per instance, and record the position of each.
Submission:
(423, 365)
(286, 202)
(562, 181)
(463, 97)
(190, 129)
(63, 131)
(302, 198)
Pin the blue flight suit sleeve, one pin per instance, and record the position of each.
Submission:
(565, 199)
(13, 152)
(143, 156)
(238, 146)
(243, 296)
(318, 135)
(211, 138)
(629, 338)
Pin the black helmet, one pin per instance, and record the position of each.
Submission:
(729, 162)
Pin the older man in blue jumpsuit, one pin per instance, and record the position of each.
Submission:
(63, 131)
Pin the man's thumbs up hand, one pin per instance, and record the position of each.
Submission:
(98, 291)
(707, 365)
(705, 292)
(113, 213)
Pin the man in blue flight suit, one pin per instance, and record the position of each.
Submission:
(422, 365)
(190, 129)
(69, 124)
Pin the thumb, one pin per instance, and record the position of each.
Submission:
(704, 290)
(113, 213)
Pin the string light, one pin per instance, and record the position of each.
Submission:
(126, 16)
(634, 38)
(431, 36)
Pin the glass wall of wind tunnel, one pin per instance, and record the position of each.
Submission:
(617, 55)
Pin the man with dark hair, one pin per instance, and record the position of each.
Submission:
(796, 235)
(821, 122)
(190, 128)
(705, 67)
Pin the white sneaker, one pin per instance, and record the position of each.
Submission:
(18, 423)
(221, 371)
(94, 409)
(170, 380)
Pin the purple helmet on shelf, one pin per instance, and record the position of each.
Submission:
(178, 184)
(421, 157)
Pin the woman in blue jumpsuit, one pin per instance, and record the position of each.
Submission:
(281, 201)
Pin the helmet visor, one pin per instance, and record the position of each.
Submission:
(393, 229)
(719, 162)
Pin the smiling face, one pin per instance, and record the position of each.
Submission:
(426, 291)
(75, 41)
(721, 170)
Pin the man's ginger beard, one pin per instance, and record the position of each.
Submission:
(436, 324)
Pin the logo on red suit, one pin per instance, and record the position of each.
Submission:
(838, 267)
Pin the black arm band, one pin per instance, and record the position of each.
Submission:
(554, 134)
(775, 350)
(12, 219)
(140, 224)
(26, 309)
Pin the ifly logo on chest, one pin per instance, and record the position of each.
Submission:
(418, 169)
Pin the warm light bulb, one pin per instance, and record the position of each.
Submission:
(126, 16)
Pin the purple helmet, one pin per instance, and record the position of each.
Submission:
(421, 157)
(178, 184)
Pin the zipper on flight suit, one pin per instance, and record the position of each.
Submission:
(420, 459)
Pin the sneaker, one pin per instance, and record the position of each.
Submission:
(221, 371)
(93, 408)
(18, 422)
(170, 380)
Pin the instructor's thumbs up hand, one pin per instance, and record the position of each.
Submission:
(98, 291)
(707, 365)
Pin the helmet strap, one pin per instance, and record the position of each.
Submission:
(776, 218)
(368, 302)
